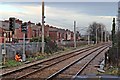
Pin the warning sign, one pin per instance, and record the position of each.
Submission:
(3, 51)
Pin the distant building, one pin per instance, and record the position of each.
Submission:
(4, 27)
(34, 30)
(1, 35)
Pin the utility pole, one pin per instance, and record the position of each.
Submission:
(101, 33)
(43, 26)
(96, 36)
(88, 39)
(74, 34)
(108, 37)
(105, 36)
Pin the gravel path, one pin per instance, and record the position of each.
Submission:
(91, 69)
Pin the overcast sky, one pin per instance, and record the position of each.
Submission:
(62, 14)
(59, 0)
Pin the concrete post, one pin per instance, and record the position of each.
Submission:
(74, 34)
(96, 36)
(43, 26)
(23, 55)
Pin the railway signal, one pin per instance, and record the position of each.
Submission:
(24, 27)
(12, 24)
(24, 30)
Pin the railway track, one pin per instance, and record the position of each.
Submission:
(76, 67)
(30, 70)
(39, 63)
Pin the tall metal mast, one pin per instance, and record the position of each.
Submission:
(43, 26)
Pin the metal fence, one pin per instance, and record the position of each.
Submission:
(30, 48)
(11, 49)
(71, 43)
(0, 55)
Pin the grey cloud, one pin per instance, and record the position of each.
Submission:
(60, 0)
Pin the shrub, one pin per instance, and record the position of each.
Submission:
(50, 46)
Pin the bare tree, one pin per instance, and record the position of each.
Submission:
(96, 29)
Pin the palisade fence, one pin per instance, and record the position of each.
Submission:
(71, 43)
(0, 55)
(31, 48)
(13, 48)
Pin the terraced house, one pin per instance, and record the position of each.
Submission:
(34, 30)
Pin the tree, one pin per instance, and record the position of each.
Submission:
(113, 51)
(96, 27)
(118, 36)
(113, 33)
(38, 24)
(50, 46)
(78, 35)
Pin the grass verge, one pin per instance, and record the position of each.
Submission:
(112, 71)
(12, 63)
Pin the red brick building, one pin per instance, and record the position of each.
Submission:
(46, 30)
(1, 35)
(33, 30)
(53, 33)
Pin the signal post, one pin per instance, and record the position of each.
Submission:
(24, 30)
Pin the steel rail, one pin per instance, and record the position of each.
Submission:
(25, 75)
(69, 65)
(82, 69)
(10, 72)
(32, 72)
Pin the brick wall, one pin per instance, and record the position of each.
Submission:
(1, 39)
(53, 35)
